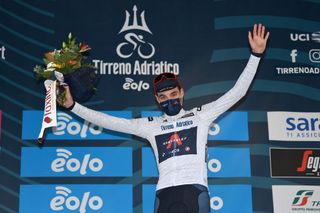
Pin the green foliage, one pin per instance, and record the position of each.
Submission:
(66, 60)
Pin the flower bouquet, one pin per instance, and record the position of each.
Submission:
(65, 67)
(68, 67)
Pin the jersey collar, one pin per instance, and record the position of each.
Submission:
(174, 117)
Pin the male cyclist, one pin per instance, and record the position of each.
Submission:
(179, 137)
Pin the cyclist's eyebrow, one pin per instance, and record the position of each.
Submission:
(174, 92)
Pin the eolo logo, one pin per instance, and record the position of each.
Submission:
(302, 197)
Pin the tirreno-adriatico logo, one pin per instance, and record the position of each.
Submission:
(135, 45)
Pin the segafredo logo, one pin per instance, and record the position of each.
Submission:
(136, 48)
(63, 201)
(310, 163)
(294, 126)
(67, 126)
(302, 197)
(64, 161)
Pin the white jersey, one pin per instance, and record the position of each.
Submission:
(178, 142)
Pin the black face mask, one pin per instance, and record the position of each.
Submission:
(171, 107)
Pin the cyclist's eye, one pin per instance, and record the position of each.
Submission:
(174, 94)
(161, 97)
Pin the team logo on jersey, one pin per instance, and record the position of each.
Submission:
(176, 143)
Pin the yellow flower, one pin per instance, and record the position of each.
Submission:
(55, 65)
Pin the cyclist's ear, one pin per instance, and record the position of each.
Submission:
(181, 95)
(181, 92)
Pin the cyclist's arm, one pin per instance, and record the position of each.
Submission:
(212, 110)
(130, 126)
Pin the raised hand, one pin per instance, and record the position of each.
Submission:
(69, 100)
(258, 39)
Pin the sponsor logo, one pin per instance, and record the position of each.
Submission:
(49, 106)
(69, 127)
(76, 198)
(294, 126)
(176, 143)
(310, 161)
(305, 37)
(63, 201)
(302, 197)
(137, 49)
(297, 163)
(64, 161)
(178, 124)
(76, 162)
(131, 37)
(138, 86)
(314, 55)
(296, 198)
(233, 126)
(2, 52)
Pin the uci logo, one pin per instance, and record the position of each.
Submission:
(73, 203)
(130, 84)
(135, 42)
(65, 125)
(73, 164)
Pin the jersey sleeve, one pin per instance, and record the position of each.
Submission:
(130, 126)
(211, 111)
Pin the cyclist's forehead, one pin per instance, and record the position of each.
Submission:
(168, 92)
